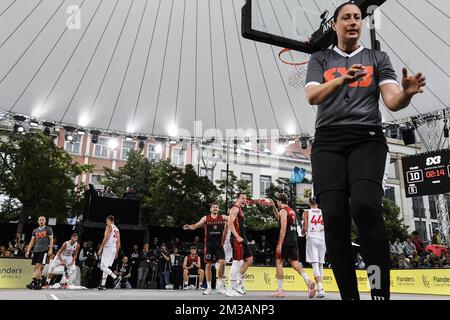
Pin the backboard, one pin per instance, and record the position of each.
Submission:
(302, 25)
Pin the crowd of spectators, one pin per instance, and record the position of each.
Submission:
(160, 264)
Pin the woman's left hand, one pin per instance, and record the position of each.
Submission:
(414, 84)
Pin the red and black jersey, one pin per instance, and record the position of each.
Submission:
(290, 238)
(191, 260)
(214, 228)
(239, 224)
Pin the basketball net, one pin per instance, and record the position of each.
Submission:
(296, 66)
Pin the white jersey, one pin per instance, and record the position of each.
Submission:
(70, 249)
(113, 237)
(315, 225)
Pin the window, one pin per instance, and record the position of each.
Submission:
(434, 226)
(223, 174)
(265, 182)
(389, 193)
(101, 148)
(154, 152)
(418, 208)
(421, 227)
(433, 208)
(126, 147)
(206, 173)
(95, 180)
(74, 146)
(178, 157)
(248, 177)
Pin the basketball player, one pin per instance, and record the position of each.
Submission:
(66, 257)
(350, 153)
(109, 251)
(214, 225)
(287, 246)
(192, 266)
(42, 240)
(242, 255)
(315, 242)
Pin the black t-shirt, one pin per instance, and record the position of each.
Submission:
(124, 271)
(144, 259)
(163, 264)
(90, 254)
(356, 103)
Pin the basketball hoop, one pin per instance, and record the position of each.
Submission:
(296, 65)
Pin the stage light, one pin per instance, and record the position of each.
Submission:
(172, 141)
(95, 135)
(304, 142)
(408, 135)
(291, 141)
(18, 128)
(48, 128)
(113, 143)
(81, 132)
(34, 123)
(129, 138)
(69, 137)
(393, 131)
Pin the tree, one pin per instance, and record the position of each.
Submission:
(37, 176)
(169, 195)
(394, 225)
(257, 216)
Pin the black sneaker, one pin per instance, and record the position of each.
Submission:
(30, 285)
(37, 287)
(101, 288)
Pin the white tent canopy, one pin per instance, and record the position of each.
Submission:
(154, 66)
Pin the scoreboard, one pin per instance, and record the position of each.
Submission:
(427, 173)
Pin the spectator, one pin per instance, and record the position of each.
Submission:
(398, 247)
(2, 251)
(90, 192)
(123, 269)
(134, 262)
(359, 264)
(433, 259)
(175, 244)
(107, 192)
(8, 254)
(176, 261)
(409, 248)
(196, 242)
(130, 194)
(403, 263)
(437, 239)
(414, 260)
(143, 266)
(164, 267)
(88, 260)
(155, 245)
(447, 260)
(418, 242)
(16, 245)
(263, 250)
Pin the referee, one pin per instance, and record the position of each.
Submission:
(350, 153)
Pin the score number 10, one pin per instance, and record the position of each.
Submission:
(414, 176)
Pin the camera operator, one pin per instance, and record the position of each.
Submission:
(164, 267)
(123, 269)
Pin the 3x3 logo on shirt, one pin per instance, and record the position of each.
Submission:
(364, 82)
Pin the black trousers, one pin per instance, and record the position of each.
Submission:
(348, 169)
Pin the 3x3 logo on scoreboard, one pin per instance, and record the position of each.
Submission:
(427, 173)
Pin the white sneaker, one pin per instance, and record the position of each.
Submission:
(207, 292)
(240, 288)
(233, 293)
(186, 287)
(321, 294)
(169, 287)
(221, 287)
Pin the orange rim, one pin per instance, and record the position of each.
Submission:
(285, 50)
